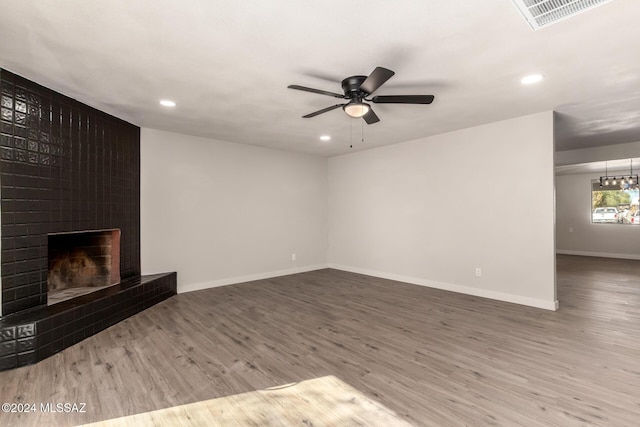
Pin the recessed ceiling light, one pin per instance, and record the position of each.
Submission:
(167, 103)
(532, 79)
(325, 138)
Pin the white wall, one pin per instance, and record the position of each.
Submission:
(219, 213)
(573, 210)
(432, 210)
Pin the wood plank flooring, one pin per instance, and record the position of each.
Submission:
(435, 358)
(324, 401)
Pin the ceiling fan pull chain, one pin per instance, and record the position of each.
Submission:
(350, 133)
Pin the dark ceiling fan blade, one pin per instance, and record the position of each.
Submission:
(324, 110)
(403, 99)
(376, 79)
(371, 117)
(321, 92)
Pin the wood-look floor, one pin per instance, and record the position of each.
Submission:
(435, 358)
(324, 401)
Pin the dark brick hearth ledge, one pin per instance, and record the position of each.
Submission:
(35, 334)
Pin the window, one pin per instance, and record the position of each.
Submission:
(614, 204)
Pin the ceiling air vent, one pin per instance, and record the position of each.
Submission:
(540, 13)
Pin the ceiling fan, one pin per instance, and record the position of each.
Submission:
(357, 89)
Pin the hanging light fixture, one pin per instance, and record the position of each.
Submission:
(606, 177)
(632, 182)
(624, 182)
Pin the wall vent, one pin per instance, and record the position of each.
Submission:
(541, 13)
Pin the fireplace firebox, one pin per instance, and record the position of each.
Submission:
(81, 262)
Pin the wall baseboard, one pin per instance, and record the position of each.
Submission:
(598, 254)
(249, 278)
(483, 293)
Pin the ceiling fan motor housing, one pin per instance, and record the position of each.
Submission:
(351, 86)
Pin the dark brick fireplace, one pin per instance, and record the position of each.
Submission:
(64, 168)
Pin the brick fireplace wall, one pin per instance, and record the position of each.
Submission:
(64, 167)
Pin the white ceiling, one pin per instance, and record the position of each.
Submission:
(227, 64)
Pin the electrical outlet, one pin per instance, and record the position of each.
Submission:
(293, 257)
(478, 272)
(570, 229)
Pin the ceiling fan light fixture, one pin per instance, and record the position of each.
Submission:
(356, 90)
(356, 109)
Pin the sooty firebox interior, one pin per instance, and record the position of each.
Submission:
(82, 262)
